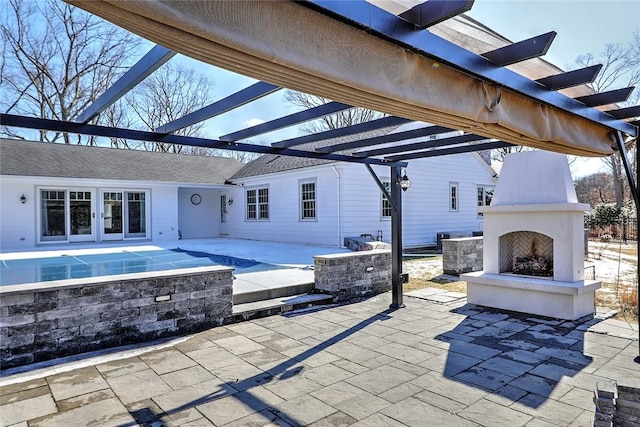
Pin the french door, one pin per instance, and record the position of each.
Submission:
(112, 215)
(67, 215)
(81, 216)
(124, 214)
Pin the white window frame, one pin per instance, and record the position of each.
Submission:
(454, 197)
(385, 205)
(52, 239)
(301, 201)
(260, 206)
(481, 196)
(97, 213)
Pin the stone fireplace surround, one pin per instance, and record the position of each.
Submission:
(534, 194)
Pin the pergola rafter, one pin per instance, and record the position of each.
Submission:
(404, 31)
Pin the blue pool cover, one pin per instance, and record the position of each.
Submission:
(33, 270)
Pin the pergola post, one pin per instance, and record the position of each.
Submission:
(633, 186)
(636, 198)
(396, 238)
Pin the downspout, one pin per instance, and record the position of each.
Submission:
(338, 201)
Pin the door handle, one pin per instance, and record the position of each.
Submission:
(93, 215)
(102, 215)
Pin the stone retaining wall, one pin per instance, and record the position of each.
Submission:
(356, 274)
(620, 407)
(44, 321)
(462, 255)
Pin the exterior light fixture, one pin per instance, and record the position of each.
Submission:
(405, 182)
(230, 202)
(23, 199)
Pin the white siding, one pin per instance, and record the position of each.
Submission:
(164, 212)
(284, 224)
(425, 204)
(362, 202)
(199, 221)
(19, 222)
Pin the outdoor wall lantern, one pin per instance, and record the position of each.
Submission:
(405, 182)
(230, 202)
(23, 199)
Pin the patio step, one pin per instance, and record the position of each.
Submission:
(245, 295)
(273, 306)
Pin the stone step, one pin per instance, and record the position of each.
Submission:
(271, 292)
(270, 307)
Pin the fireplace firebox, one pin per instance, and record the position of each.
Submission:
(526, 253)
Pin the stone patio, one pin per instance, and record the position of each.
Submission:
(439, 361)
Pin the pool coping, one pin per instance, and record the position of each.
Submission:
(99, 280)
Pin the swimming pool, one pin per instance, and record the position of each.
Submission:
(34, 270)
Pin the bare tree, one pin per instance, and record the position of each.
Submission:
(170, 93)
(241, 156)
(56, 60)
(334, 121)
(621, 68)
(499, 153)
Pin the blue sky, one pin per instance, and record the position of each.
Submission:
(582, 27)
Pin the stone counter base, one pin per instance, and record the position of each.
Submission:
(45, 321)
(352, 275)
(462, 255)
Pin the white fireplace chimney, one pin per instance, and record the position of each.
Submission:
(534, 209)
(535, 193)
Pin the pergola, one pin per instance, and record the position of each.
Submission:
(406, 62)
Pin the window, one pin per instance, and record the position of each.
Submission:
(453, 197)
(53, 215)
(258, 204)
(485, 194)
(308, 200)
(387, 210)
(251, 205)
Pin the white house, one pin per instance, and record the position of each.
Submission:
(55, 193)
(319, 201)
(58, 193)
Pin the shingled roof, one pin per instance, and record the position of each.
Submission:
(28, 158)
(272, 163)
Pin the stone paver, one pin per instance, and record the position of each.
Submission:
(27, 409)
(138, 386)
(166, 361)
(82, 381)
(431, 363)
(105, 413)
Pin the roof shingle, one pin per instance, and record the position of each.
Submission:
(28, 158)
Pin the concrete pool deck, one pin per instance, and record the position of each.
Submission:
(429, 364)
(298, 257)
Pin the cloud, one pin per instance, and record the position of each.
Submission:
(253, 122)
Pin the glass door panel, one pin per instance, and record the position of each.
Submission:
(136, 215)
(112, 215)
(223, 215)
(81, 216)
(53, 219)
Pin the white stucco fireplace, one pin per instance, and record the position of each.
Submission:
(533, 249)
